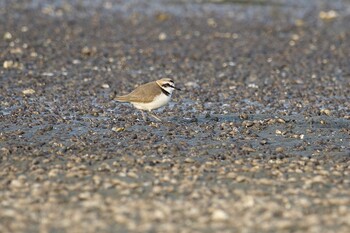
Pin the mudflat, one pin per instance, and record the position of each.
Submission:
(256, 141)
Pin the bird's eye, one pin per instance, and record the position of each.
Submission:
(167, 85)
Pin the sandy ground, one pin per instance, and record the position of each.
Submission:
(256, 141)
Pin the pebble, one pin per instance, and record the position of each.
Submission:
(162, 36)
(244, 116)
(192, 84)
(8, 64)
(247, 123)
(7, 36)
(118, 129)
(17, 183)
(325, 112)
(328, 15)
(28, 91)
(105, 86)
(219, 215)
(247, 149)
(279, 150)
(263, 142)
(280, 120)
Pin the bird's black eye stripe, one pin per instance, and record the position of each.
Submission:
(167, 85)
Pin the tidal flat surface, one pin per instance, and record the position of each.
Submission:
(256, 141)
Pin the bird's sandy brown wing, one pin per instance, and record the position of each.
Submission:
(144, 93)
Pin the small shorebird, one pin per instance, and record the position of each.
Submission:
(150, 96)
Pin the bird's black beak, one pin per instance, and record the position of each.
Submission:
(176, 88)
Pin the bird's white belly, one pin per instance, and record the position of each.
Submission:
(157, 102)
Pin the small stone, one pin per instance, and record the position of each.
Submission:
(24, 29)
(211, 22)
(240, 179)
(7, 36)
(247, 123)
(28, 91)
(316, 180)
(16, 51)
(231, 175)
(299, 22)
(162, 16)
(162, 36)
(5, 151)
(133, 175)
(325, 112)
(17, 183)
(280, 120)
(328, 15)
(219, 215)
(8, 64)
(11, 213)
(86, 50)
(105, 86)
(263, 142)
(159, 215)
(192, 84)
(189, 160)
(243, 116)
(279, 149)
(49, 74)
(53, 172)
(84, 195)
(118, 129)
(271, 121)
(247, 149)
(278, 132)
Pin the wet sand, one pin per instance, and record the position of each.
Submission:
(256, 141)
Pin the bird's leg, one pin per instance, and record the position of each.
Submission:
(143, 115)
(155, 117)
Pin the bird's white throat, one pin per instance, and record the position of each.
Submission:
(168, 89)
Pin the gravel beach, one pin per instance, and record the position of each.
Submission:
(257, 140)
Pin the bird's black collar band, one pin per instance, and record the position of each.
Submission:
(165, 92)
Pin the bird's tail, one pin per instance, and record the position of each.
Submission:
(121, 98)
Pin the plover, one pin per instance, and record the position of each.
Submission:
(150, 96)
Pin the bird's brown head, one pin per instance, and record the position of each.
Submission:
(167, 84)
